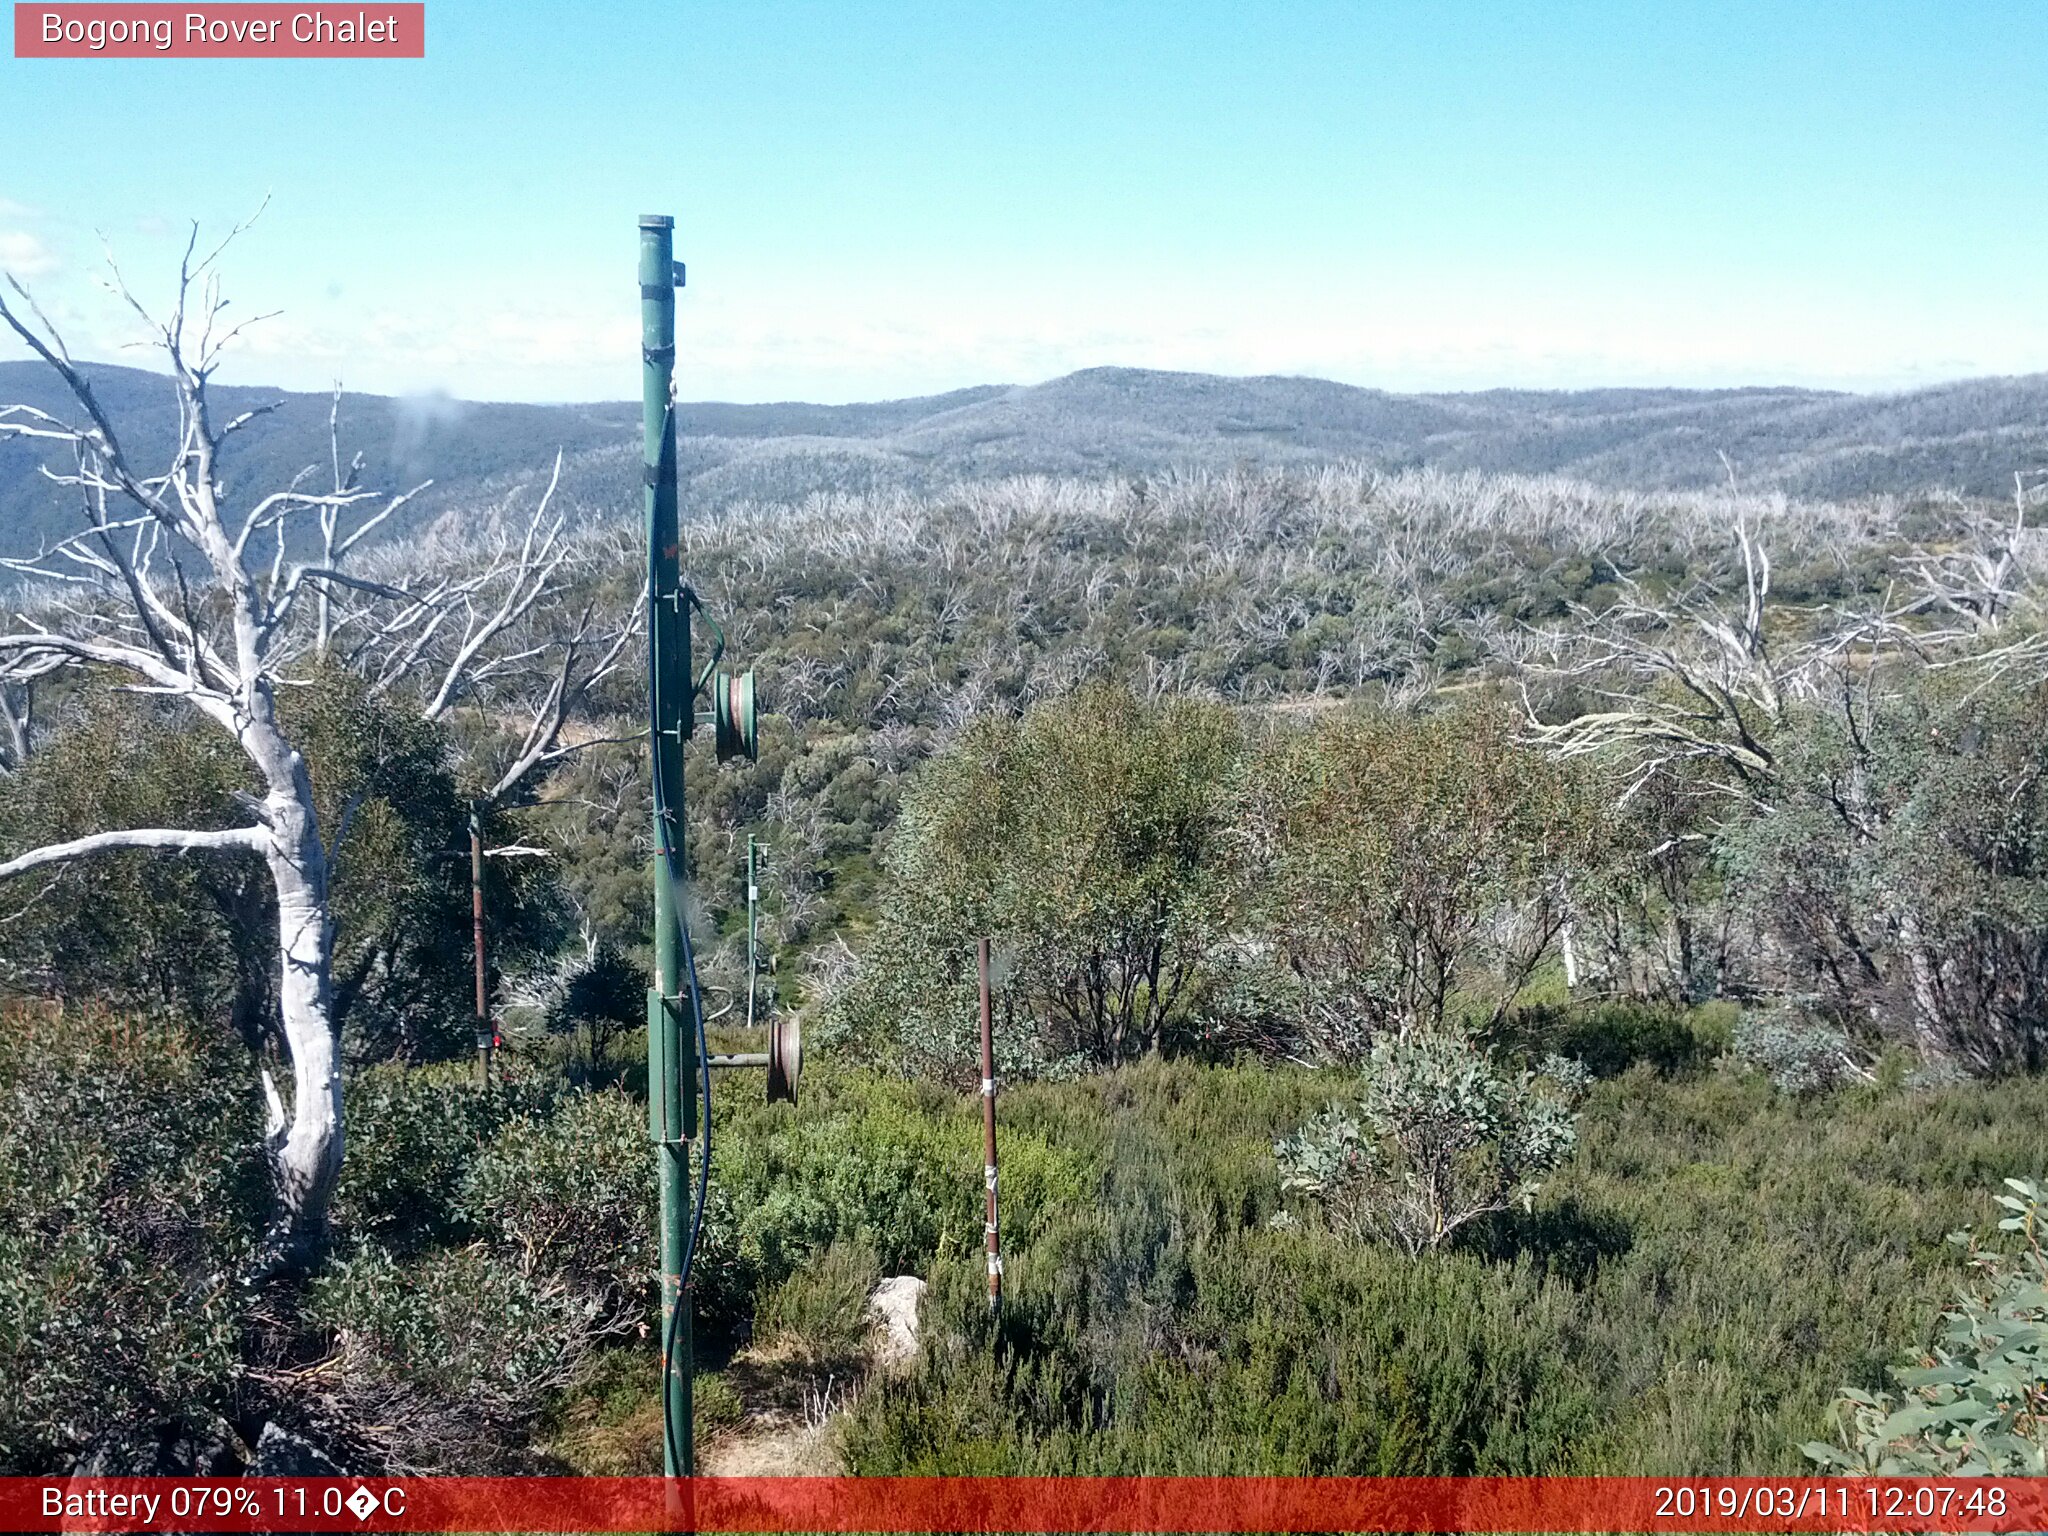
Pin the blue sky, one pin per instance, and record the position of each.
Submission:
(897, 197)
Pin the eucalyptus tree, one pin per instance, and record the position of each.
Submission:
(1865, 775)
(179, 583)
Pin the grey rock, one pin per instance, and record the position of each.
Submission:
(894, 1307)
(280, 1453)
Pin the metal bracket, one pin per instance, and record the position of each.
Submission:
(659, 291)
(717, 644)
(660, 1010)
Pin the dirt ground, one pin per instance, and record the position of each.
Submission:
(790, 1424)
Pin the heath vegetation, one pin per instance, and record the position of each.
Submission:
(1492, 974)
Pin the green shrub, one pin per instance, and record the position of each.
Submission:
(1688, 1293)
(597, 990)
(895, 1166)
(539, 1245)
(716, 1406)
(572, 1194)
(1800, 1054)
(1976, 1405)
(1088, 838)
(413, 1133)
(1440, 1134)
(1610, 1037)
(138, 933)
(819, 1315)
(131, 1188)
(1901, 868)
(198, 934)
(1410, 869)
(446, 1364)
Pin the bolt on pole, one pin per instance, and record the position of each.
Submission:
(988, 1135)
(671, 1037)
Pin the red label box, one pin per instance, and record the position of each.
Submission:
(372, 30)
(1160, 1506)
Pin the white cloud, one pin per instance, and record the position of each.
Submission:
(9, 209)
(24, 255)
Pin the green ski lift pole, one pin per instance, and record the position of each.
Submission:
(671, 1025)
(678, 1065)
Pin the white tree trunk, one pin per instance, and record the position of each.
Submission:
(305, 1143)
(306, 1149)
(1929, 1031)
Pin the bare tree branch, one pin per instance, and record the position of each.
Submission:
(242, 839)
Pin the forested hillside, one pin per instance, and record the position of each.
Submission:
(1966, 437)
(1495, 973)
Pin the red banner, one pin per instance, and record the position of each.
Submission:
(1048, 1504)
(235, 31)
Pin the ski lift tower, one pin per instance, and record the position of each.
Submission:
(679, 1061)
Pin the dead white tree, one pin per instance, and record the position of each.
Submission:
(1689, 679)
(1703, 682)
(504, 638)
(1698, 678)
(17, 720)
(174, 587)
(1979, 586)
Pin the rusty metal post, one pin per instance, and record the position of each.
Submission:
(753, 934)
(988, 1135)
(484, 1033)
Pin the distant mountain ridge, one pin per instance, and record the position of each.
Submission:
(1968, 437)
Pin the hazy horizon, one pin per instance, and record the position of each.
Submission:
(233, 378)
(885, 202)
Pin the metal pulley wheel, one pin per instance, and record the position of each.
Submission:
(785, 1058)
(736, 730)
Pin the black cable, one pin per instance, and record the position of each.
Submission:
(670, 824)
(704, 1153)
